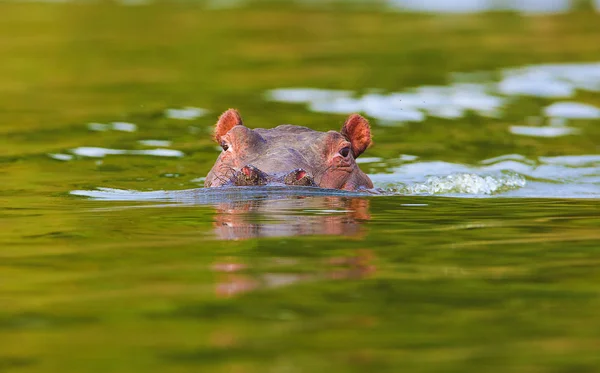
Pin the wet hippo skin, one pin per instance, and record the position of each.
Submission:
(289, 155)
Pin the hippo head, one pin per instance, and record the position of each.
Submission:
(290, 155)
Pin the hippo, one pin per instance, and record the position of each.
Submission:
(289, 155)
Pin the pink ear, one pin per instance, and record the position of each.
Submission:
(358, 132)
(226, 122)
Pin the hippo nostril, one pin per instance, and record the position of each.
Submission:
(249, 170)
(299, 177)
(249, 175)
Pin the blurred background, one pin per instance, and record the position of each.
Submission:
(483, 255)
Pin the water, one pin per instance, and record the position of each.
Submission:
(528, 7)
(479, 250)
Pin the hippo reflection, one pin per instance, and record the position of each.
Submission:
(234, 277)
(291, 217)
(290, 155)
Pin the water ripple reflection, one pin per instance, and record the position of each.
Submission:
(466, 93)
(511, 175)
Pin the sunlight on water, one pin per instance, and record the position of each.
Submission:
(572, 110)
(304, 95)
(443, 178)
(566, 177)
(155, 142)
(115, 126)
(187, 113)
(546, 131)
(60, 156)
(553, 80)
(474, 6)
(444, 102)
(100, 152)
(466, 184)
(532, 7)
(435, 6)
(487, 99)
(575, 160)
(368, 160)
(95, 152)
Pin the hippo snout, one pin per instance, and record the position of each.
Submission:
(299, 177)
(250, 175)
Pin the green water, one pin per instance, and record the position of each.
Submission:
(250, 283)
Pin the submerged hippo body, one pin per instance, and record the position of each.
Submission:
(290, 155)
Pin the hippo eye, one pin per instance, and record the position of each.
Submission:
(345, 151)
(224, 146)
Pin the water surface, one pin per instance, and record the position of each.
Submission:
(481, 252)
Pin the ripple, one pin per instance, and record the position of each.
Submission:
(211, 195)
(467, 184)
(60, 157)
(423, 6)
(487, 99)
(572, 110)
(96, 152)
(124, 126)
(545, 131)
(573, 160)
(478, 6)
(514, 175)
(506, 157)
(98, 127)
(186, 113)
(368, 160)
(155, 142)
(451, 7)
(536, 83)
(560, 79)
(115, 126)
(304, 95)
(113, 194)
(450, 102)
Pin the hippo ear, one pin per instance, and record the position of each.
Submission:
(358, 132)
(226, 122)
